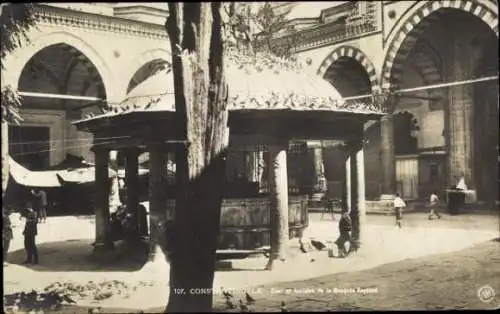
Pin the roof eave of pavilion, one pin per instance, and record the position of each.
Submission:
(95, 123)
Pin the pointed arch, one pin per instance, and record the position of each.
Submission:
(410, 29)
(16, 61)
(345, 51)
(145, 58)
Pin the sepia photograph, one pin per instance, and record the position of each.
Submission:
(332, 156)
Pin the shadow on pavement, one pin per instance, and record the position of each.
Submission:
(76, 255)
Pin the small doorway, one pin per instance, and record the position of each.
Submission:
(30, 146)
(407, 177)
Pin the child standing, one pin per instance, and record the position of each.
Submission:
(433, 205)
(399, 204)
(345, 227)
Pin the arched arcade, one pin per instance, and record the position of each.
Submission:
(453, 121)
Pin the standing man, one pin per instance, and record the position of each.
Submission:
(41, 204)
(399, 204)
(433, 204)
(6, 232)
(30, 232)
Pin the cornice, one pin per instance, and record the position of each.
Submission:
(50, 15)
(330, 32)
(327, 34)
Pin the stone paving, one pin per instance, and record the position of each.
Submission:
(383, 244)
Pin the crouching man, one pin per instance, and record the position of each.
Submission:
(345, 227)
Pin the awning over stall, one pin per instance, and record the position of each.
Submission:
(52, 178)
(79, 176)
(28, 178)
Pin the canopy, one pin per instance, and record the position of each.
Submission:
(26, 177)
(51, 178)
(71, 162)
(261, 83)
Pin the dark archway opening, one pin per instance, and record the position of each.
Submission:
(405, 127)
(45, 135)
(58, 69)
(350, 78)
(458, 134)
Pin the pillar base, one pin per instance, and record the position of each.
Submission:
(145, 242)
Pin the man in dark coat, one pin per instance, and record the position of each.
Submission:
(30, 232)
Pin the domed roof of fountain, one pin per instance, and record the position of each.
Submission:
(255, 82)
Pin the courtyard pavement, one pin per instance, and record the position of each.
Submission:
(65, 250)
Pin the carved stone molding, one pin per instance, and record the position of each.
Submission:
(359, 22)
(64, 17)
(325, 34)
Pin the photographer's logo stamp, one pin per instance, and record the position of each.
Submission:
(486, 293)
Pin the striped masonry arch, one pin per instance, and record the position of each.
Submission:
(416, 25)
(356, 54)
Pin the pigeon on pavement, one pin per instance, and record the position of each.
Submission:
(318, 245)
(249, 298)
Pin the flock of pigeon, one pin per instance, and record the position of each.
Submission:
(245, 306)
(34, 301)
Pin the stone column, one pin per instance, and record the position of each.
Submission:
(102, 190)
(460, 118)
(157, 197)
(317, 172)
(278, 201)
(132, 186)
(319, 169)
(347, 192)
(346, 179)
(114, 194)
(356, 191)
(388, 157)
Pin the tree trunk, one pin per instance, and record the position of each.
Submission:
(200, 99)
(5, 156)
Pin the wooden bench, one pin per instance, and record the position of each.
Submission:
(241, 254)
